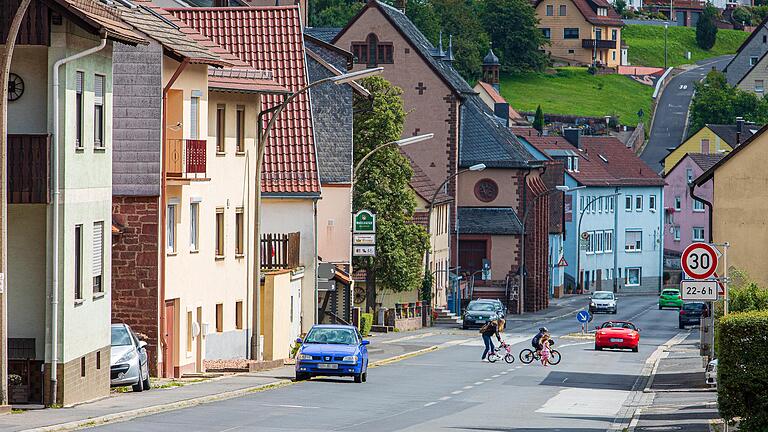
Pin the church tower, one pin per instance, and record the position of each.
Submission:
(491, 66)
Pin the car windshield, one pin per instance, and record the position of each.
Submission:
(624, 325)
(337, 336)
(603, 296)
(120, 336)
(693, 306)
(483, 307)
(670, 293)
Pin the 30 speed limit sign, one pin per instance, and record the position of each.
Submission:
(699, 260)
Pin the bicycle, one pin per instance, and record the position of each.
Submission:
(496, 354)
(527, 356)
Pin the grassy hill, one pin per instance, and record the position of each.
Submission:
(646, 44)
(572, 90)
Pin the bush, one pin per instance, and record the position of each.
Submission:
(742, 370)
(366, 321)
(706, 29)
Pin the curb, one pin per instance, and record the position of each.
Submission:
(664, 350)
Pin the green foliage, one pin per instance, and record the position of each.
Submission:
(338, 14)
(646, 44)
(538, 119)
(706, 28)
(366, 321)
(422, 13)
(742, 370)
(382, 186)
(426, 287)
(512, 27)
(718, 103)
(461, 19)
(620, 6)
(759, 13)
(741, 15)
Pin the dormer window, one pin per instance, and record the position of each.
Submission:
(601, 11)
(372, 52)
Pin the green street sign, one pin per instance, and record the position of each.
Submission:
(365, 222)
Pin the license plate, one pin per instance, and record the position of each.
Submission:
(480, 321)
(617, 340)
(327, 366)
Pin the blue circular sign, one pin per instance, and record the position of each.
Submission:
(583, 316)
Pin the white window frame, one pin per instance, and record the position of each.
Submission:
(171, 211)
(678, 203)
(194, 225)
(676, 232)
(689, 174)
(97, 269)
(696, 238)
(639, 203)
(628, 203)
(753, 60)
(627, 272)
(634, 247)
(759, 86)
(698, 206)
(608, 241)
(652, 203)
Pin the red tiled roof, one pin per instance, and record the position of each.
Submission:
(497, 98)
(588, 9)
(603, 161)
(243, 81)
(101, 16)
(270, 38)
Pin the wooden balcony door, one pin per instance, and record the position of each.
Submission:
(174, 133)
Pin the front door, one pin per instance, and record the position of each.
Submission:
(471, 255)
(170, 338)
(599, 280)
(199, 353)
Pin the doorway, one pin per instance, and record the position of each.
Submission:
(199, 353)
(471, 255)
(169, 329)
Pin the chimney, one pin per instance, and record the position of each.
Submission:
(739, 129)
(572, 135)
(501, 109)
(400, 4)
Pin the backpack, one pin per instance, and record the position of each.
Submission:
(486, 327)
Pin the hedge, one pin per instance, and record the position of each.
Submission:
(742, 369)
(366, 321)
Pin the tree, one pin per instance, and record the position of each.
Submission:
(382, 186)
(706, 28)
(460, 18)
(334, 13)
(620, 6)
(538, 120)
(513, 28)
(717, 102)
(423, 16)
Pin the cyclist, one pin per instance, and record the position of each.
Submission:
(535, 342)
(488, 330)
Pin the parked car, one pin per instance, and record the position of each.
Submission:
(500, 309)
(691, 313)
(332, 350)
(603, 301)
(618, 335)
(670, 297)
(128, 360)
(711, 373)
(478, 313)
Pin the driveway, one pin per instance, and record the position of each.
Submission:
(672, 110)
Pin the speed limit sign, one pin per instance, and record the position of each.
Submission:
(699, 260)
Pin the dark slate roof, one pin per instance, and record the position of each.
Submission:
(488, 220)
(325, 34)
(490, 58)
(485, 140)
(706, 161)
(728, 132)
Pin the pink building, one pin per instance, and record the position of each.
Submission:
(687, 220)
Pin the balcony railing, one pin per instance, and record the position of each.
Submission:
(280, 251)
(598, 43)
(185, 158)
(29, 169)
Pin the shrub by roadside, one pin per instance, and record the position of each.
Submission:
(366, 321)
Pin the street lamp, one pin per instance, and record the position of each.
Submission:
(665, 36)
(476, 168)
(263, 135)
(578, 231)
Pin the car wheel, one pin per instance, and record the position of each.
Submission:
(365, 376)
(146, 383)
(598, 347)
(139, 386)
(463, 327)
(681, 326)
(660, 307)
(615, 310)
(358, 378)
(634, 349)
(302, 376)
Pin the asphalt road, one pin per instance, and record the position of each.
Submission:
(450, 389)
(672, 110)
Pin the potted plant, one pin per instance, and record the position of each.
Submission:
(19, 391)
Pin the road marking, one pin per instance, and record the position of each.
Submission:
(486, 379)
(457, 392)
(495, 376)
(445, 398)
(479, 383)
(468, 387)
(504, 373)
(230, 429)
(574, 344)
(288, 406)
(511, 369)
(405, 338)
(429, 404)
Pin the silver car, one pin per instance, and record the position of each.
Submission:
(128, 361)
(603, 301)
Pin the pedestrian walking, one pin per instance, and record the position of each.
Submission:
(489, 329)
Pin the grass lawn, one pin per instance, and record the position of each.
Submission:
(646, 44)
(574, 91)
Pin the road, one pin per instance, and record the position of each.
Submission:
(450, 389)
(672, 110)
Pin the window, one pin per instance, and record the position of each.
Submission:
(98, 257)
(593, 205)
(633, 240)
(698, 206)
(614, 36)
(689, 174)
(82, 367)
(170, 228)
(753, 60)
(550, 10)
(194, 226)
(189, 331)
(194, 117)
(239, 315)
(590, 242)
(652, 203)
(219, 318)
(372, 53)
(570, 51)
(633, 276)
(759, 87)
(600, 204)
(98, 360)
(240, 129)
(613, 55)
(79, 78)
(599, 242)
(765, 39)
(611, 203)
(705, 146)
(601, 11)
(219, 232)
(677, 203)
(221, 119)
(360, 51)
(571, 33)
(78, 262)
(581, 203)
(608, 241)
(676, 232)
(698, 234)
(98, 111)
(628, 203)
(563, 10)
(639, 203)
(547, 33)
(239, 246)
(385, 53)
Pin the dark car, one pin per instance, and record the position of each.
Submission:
(691, 313)
(478, 313)
(500, 309)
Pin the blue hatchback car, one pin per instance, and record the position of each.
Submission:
(332, 350)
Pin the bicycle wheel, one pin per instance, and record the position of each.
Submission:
(492, 357)
(526, 356)
(509, 358)
(554, 357)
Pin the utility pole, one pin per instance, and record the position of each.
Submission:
(5, 69)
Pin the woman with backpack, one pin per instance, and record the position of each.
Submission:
(489, 329)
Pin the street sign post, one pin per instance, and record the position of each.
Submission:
(364, 234)
(363, 239)
(699, 261)
(363, 251)
(705, 290)
(364, 222)
(583, 317)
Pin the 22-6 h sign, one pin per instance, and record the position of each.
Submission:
(699, 260)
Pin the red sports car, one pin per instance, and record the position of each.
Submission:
(617, 334)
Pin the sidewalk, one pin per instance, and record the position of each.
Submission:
(123, 406)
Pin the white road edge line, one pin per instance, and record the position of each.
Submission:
(429, 404)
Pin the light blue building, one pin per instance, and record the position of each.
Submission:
(619, 245)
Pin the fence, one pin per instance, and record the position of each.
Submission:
(280, 251)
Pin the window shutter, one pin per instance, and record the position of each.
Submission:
(193, 117)
(98, 248)
(98, 90)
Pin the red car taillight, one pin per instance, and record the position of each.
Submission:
(682, 312)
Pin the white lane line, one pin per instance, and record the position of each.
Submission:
(289, 406)
(504, 373)
(457, 392)
(429, 404)
(445, 398)
(468, 387)
(405, 338)
(479, 383)
(486, 379)
(495, 376)
(575, 343)
(511, 369)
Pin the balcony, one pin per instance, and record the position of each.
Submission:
(185, 159)
(29, 169)
(598, 43)
(280, 251)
